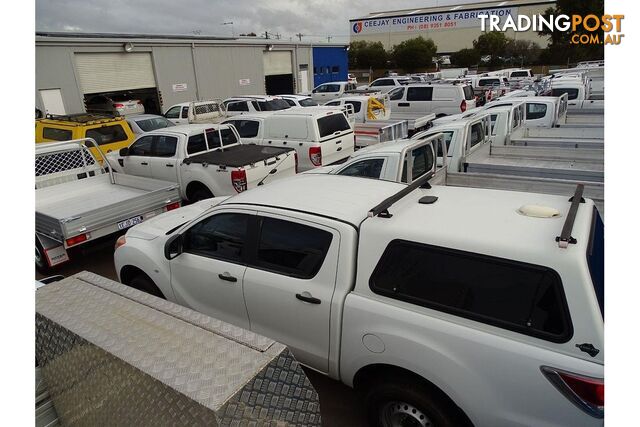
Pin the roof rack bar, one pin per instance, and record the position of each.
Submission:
(564, 239)
(382, 208)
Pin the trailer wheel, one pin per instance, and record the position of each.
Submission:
(41, 259)
(143, 283)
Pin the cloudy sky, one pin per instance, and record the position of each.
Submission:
(315, 19)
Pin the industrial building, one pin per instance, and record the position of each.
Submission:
(165, 70)
(450, 27)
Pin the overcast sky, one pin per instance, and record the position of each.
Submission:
(315, 19)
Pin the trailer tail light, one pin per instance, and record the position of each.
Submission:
(239, 180)
(295, 158)
(586, 393)
(315, 155)
(118, 105)
(172, 206)
(72, 241)
(463, 106)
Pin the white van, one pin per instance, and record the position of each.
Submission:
(439, 99)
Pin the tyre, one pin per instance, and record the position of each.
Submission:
(143, 283)
(200, 194)
(408, 403)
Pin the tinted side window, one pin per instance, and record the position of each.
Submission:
(356, 105)
(228, 138)
(525, 298)
(107, 134)
(422, 161)
(237, 106)
(292, 249)
(477, 134)
(536, 111)
(196, 144)
(185, 112)
(142, 147)
(164, 146)
(246, 128)
(383, 82)
(219, 236)
(396, 94)
(571, 93)
(419, 93)
(56, 134)
(468, 93)
(370, 168)
(595, 258)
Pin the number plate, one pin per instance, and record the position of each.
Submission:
(130, 222)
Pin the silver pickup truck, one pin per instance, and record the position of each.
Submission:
(78, 201)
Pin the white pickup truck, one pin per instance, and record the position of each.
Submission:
(205, 160)
(212, 111)
(580, 100)
(320, 135)
(78, 201)
(421, 299)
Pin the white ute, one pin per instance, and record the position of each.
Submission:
(205, 160)
(442, 306)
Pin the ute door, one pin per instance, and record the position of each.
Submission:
(208, 275)
(137, 160)
(164, 159)
(289, 285)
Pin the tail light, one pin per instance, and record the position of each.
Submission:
(122, 240)
(239, 180)
(172, 206)
(315, 155)
(463, 106)
(295, 158)
(72, 241)
(118, 105)
(586, 393)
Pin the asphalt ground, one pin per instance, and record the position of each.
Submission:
(339, 404)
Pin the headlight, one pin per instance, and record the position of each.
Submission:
(121, 241)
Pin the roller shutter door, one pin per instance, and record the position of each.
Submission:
(276, 63)
(111, 72)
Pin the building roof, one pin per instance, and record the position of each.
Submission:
(451, 8)
(71, 37)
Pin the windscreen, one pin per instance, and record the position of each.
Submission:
(273, 105)
(308, 102)
(155, 123)
(571, 93)
(331, 124)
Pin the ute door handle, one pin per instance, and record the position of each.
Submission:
(144, 163)
(306, 297)
(227, 277)
(403, 104)
(169, 165)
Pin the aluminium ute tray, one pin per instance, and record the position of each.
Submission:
(112, 355)
(238, 155)
(64, 210)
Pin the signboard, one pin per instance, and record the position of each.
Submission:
(179, 87)
(429, 21)
(244, 82)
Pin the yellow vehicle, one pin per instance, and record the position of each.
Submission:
(110, 132)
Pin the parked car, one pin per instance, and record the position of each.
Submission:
(351, 78)
(204, 159)
(320, 135)
(196, 112)
(439, 99)
(299, 100)
(385, 84)
(328, 91)
(435, 315)
(147, 122)
(117, 104)
(110, 132)
(251, 104)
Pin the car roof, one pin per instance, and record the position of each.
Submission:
(388, 147)
(345, 198)
(252, 98)
(298, 97)
(140, 117)
(336, 82)
(189, 129)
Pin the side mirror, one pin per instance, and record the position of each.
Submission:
(173, 247)
(124, 152)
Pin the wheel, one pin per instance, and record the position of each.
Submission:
(41, 259)
(200, 194)
(402, 403)
(143, 283)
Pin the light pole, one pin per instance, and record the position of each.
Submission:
(233, 34)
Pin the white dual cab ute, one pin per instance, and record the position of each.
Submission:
(78, 201)
(437, 316)
(330, 90)
(319, 135)
(205, 160)
(254, 103)
(212, 111)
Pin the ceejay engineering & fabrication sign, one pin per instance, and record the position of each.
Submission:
(429, 21)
